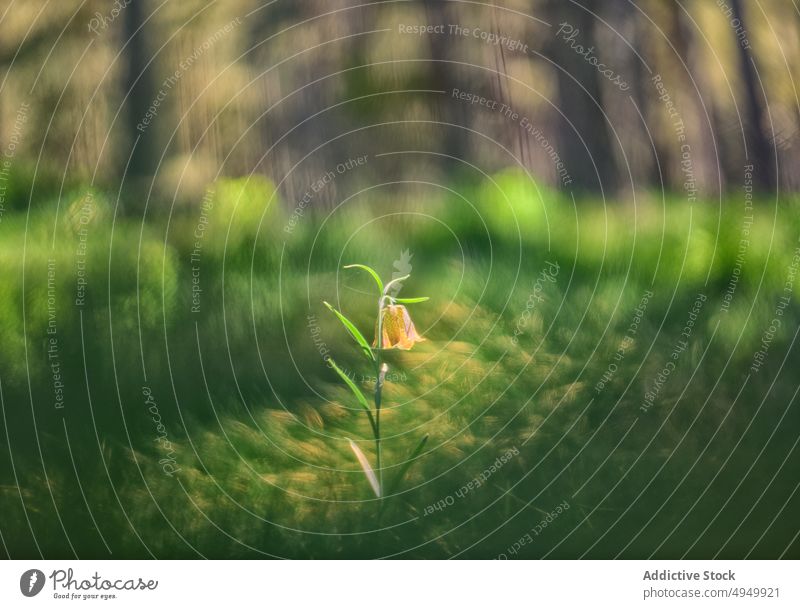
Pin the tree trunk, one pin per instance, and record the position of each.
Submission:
(584, 139)
(140, 93)
(444, 76)
(759, 151)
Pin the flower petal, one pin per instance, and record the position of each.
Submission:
(397, 328)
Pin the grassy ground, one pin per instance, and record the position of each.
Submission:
(251, 458)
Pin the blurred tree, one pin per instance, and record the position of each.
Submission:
(139, 92)
(445, 76)
(759, 150)
(623, 38)
(697, 105)
(584, 137)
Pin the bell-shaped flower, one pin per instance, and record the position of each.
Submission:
(397, 329)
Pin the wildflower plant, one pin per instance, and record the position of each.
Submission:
(394, 329)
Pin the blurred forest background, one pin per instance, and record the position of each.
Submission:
(301, 73)
(163, 266)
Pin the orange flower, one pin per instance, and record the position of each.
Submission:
(397, 328)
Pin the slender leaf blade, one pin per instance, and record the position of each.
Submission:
(411, 300)
(368, 472)
(404, 469)
(354, 332)
(392, 282)
(356, 392)
(369, 270)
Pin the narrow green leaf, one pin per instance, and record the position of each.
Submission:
(411, 300)
(362, 459)
(404, 469)
(392, 282)
(356, 392)
(372, 272)
(351, 328)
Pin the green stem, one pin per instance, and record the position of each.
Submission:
(378, 391)
(380, 375)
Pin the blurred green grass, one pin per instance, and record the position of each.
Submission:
(257, 422)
